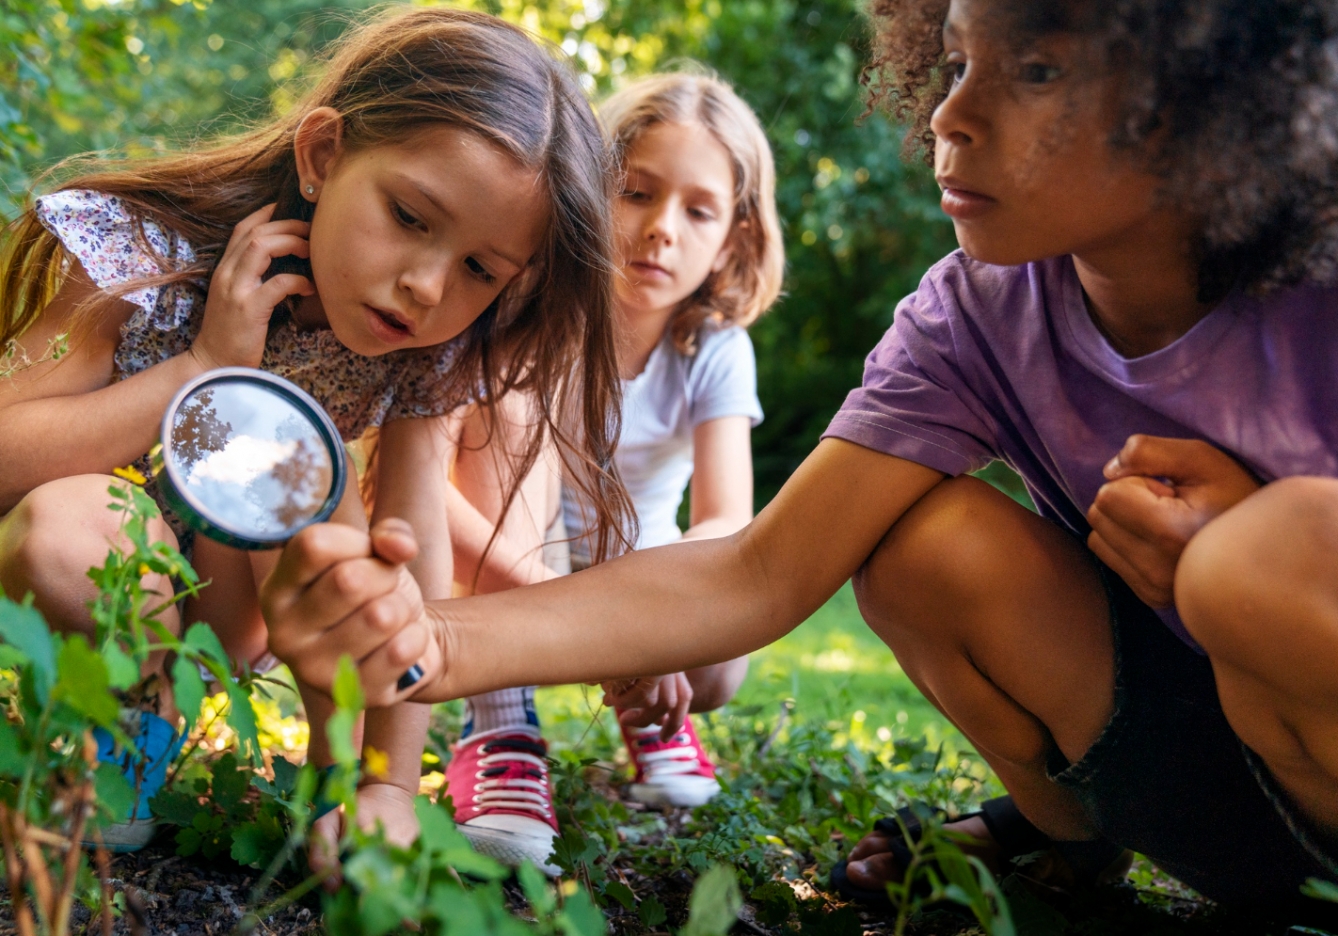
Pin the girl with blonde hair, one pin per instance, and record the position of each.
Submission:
(700, 258)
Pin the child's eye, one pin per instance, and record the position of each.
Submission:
(633, 194)
(958, 70)
(701, 214)
(1039, 73)
(478, 270)
(403, 217)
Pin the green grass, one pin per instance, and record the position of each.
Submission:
(832, 666)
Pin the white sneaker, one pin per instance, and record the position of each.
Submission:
(676, 772)
(498, 781)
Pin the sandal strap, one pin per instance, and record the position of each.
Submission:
(1017, 837)
(1012, 831)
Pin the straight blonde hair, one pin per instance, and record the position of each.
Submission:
(750, 281)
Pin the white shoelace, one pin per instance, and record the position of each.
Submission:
(668, 762)
(494, 790)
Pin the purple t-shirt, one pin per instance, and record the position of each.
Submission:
(986, 362)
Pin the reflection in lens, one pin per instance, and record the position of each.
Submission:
(251, 459)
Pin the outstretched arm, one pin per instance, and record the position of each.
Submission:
(657, 611)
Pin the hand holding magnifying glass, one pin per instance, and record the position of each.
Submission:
(249, 459)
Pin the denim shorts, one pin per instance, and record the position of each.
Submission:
(1169, 778)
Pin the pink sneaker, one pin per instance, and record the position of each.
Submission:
(498, 781)
(676, 772)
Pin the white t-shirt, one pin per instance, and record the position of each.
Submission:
(661, 406)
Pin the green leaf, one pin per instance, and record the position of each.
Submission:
(339, 732)
(347, 687)
(580, 916)
(1321, 890)
(621, 893)
(13, 755)
(83, 684)
(115, 794)
(242, 719)
(715, 903)
(537, 891)
(188, 688)
(285, 776)
(255, 845)
(652, 912)
(121, 669)
(458, 910)
(175, 806)
(200, 637)
(22, 627)
(230, 784)
(188, 842)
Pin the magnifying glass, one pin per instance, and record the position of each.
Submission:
(250, 459)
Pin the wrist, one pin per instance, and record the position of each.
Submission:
(443, 635)
(200, 359)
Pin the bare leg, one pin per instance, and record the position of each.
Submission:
(485, 470)
(1258, 589)
(1001, 621)
(50, 540)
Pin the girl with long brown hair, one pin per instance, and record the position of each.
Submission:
(427, 226)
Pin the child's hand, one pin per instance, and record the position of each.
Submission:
(337, 590)
(384, 803)
(651, 700)
(240, 302)
(1159, 493)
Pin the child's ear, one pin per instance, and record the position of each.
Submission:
(316, 145)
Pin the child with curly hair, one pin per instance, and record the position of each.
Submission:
(1142, 322)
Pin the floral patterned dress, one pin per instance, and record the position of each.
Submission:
(359, 392)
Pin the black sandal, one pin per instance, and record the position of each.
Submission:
(1011, 831)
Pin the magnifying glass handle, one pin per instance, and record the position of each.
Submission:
(410, 678)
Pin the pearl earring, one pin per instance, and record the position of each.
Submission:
(311, 190)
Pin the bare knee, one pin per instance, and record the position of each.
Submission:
(1269, 562)
(714, 686)
(52, 537)
(959, 548)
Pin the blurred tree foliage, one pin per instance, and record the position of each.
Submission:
(861, 226)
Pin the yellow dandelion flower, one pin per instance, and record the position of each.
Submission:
(375, 763)
(131, 474)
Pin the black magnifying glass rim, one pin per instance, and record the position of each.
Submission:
(192, 512)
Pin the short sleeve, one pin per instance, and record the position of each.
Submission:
(723, 377)
(99, 232)
(914, 402)
(420, 391)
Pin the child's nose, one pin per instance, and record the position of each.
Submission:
(660, 225)
(958, 120)
(426, 283)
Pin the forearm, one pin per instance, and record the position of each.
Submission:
(505, 566)
(400, 733)
(611, 630)
(98, 430)
(690, 604)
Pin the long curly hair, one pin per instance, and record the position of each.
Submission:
(1233, 103)
(550, 336)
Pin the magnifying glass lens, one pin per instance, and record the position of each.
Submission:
(249, 459)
